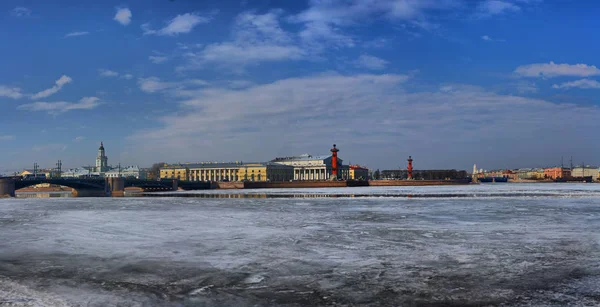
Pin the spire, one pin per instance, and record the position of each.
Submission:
(101, 146)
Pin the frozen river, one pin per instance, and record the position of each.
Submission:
(484, 245)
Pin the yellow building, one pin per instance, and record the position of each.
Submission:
(228, 172)
(265, 172)
(174, 171)
(358, 172)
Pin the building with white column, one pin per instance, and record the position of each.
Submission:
(127, 172)
(309, 167)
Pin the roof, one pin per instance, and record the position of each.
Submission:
(202, 165)
(125, 169)
(303, 157)
(585, 167)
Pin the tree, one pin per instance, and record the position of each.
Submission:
(377, 174)
(154, 172)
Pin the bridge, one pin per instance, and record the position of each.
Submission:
(90, 186)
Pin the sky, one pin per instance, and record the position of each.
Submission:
(499, 83)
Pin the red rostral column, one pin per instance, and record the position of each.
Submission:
(410, 169)
(334, 166)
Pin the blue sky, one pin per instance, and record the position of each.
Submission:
(500, 83)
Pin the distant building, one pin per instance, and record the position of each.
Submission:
(128, 172)
(358, 172)
(424, 174)
(174, 171)
(235, 171)
(557, 173)
(309, 167)
(101, 160)
(265, 172)
(585, 171)
(79, 173)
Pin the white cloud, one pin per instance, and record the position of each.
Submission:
(583, 83)
(496, 7)
(551, 70)
(153, 85)
(123, 16)
(20, 11)
(184, 23)
(76, 34)
(64, 79)
(85, 103)
(79, 139)
(10, 92)
(113, 74)
(7, 137)
(324, 20)
(289, 116)
(182, 88)
(370, 62)
(157, 59)
(256, 38)
(524, 87)
(107, 73)
(489, 39)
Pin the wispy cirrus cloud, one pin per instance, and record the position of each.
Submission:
(157, 59)
(256, 38)
(72, 34)
(20, 11)
(583, 84)
(489, 39)
(7, 137)
(54, 108)
(370, 62)
(64, 79)
(324, 21)
(79, 139)
(180, 24)
(113, 74)
(123, 16)
(490, 8)
(153, 84)
(551, 70)
(10, 92)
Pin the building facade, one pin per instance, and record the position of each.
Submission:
(357, 172)
(401, 174)
(101, 160)
(308, 167)
(557, 173)
(174, 171)
(266, 172)
(585, 171)
(228, 172)
(128, 172)
(79, 173)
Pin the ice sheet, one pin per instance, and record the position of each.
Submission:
(517, 251)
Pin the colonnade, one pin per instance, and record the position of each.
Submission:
(215, 174)
(311, 174)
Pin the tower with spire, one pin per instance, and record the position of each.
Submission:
(101, 160)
